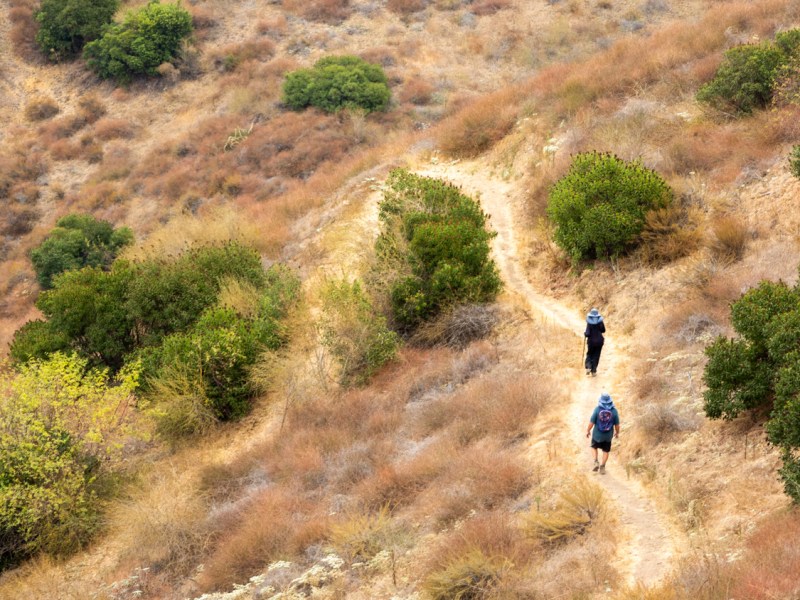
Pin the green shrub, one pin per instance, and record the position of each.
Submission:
(433, 249)
(200, 376)
(600, 206)
(338, 82)
(146, 39)
(746, 79)
(66, 25)
(794, 161)
(37, 339)
(63, 429)
(761, 369)
(87, 307)
(355, 333)
(77, 241)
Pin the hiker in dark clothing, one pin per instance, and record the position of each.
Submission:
(595, 328)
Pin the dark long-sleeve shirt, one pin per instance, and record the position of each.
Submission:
(594, 333)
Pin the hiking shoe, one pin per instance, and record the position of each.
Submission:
(588, 372)
(594, 373)
(596, 466)
(602, 469)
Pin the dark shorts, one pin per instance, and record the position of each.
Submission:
(604, 446)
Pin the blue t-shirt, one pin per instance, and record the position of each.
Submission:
(603, 436)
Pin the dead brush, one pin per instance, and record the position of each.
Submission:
(730, 237)
(670, 233)
(471, 576)
(579, 507)
(458, 327)
(362, 536)
(480, 125)
(41, 108)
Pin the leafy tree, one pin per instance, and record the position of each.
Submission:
(63, 426)
(146, 39)
(338, 82)
(600, 206)
(66, 25)
(37, 339)
(434, 249)
(354, 332)
(761, 368)
(77, 241)
(746, 79)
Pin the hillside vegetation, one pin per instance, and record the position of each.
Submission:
(264, 335)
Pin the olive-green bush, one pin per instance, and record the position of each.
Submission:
(761, 369)
(338, 82)
(599, 207)
(433, 249)
(66, 25)
(147, 38)
(77, 241)
(746, 79)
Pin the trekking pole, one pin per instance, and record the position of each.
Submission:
(583, 353)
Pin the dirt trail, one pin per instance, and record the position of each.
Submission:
(649, 541)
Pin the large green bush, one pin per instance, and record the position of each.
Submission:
(200, 376)
(77, 241)
(433, 249)
(104, 315)
(338, 82)
(66, 25)
(63, 427)
(146, 39)
(761, 369)
(600, 206)
(746, 79)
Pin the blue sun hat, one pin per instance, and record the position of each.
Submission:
(605, 401)
(594, 317)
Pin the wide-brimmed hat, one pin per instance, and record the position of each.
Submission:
(594, 317)
(605, 401)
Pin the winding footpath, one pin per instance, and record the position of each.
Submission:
(649, 542)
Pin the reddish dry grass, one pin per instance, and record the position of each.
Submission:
(326, 11)
(416, 91)
(23, 29)
(109, 128)
(275, 524)
(770, 567)
(484, 122)
(489, 7)
(406, 7)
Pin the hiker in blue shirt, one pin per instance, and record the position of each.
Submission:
(603, 427)
(595, 328)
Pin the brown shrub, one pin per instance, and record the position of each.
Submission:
(479, 126)
(730, 236)
(18, 220)
(274, 27)
(489, 7)
(228, 58)
(202, 17)
(91, 108)
(24, 29)
(64, 150)
(41, 108)
(272, 525)
(381, 55)
(61, 128)
(327, 11)
(109, 128)
(117, 162)
(101, 195)
(406, 7)
(669, 234)
(416, 91)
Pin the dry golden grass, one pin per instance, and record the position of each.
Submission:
(730, 237)
(41, 108)
(581, 505)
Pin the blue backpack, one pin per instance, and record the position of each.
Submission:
(605, 420)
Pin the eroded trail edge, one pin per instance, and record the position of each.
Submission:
(649, 542)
